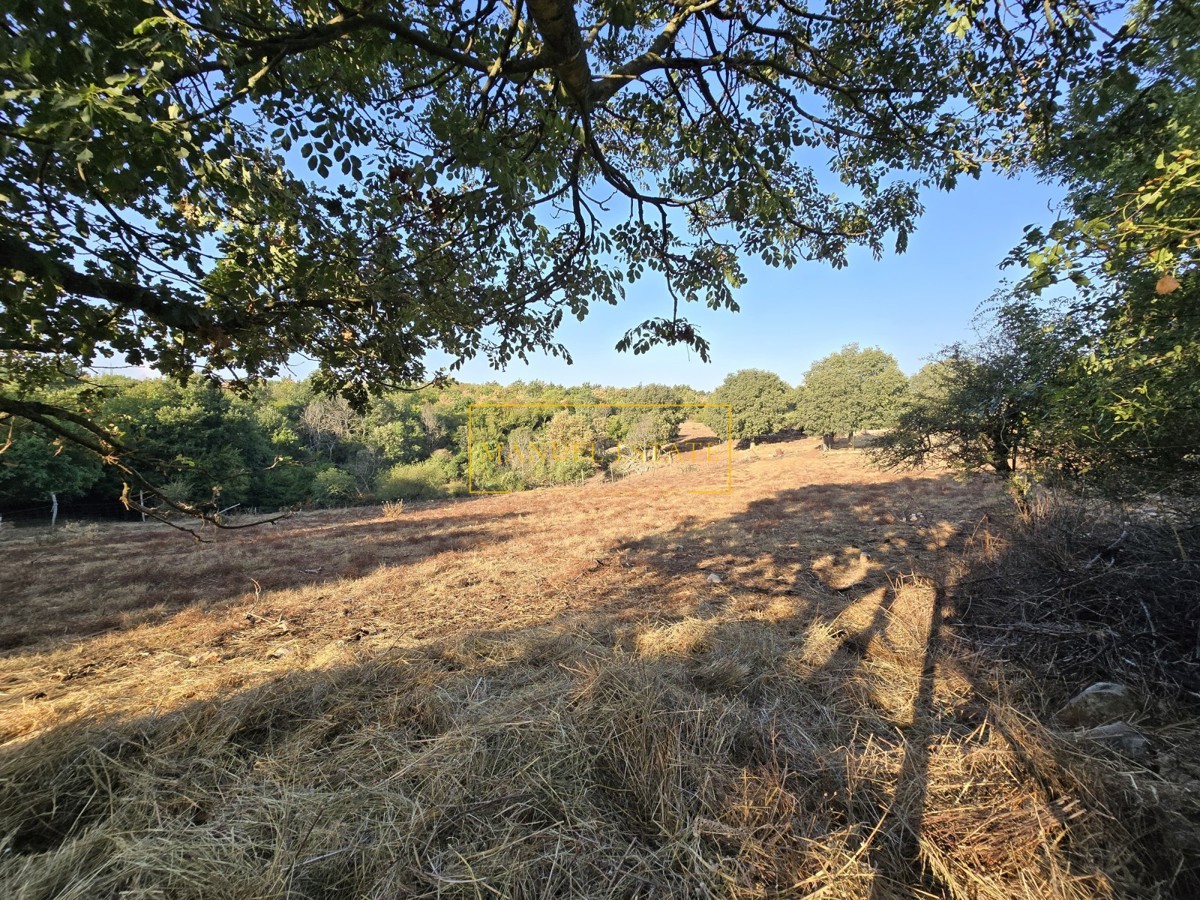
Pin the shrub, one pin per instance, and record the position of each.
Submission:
(425, 480)
(565, 471)
(333, 486)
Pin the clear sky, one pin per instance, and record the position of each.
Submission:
(909, 305)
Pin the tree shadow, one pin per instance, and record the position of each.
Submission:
(152, 572)
(838, 552)
(755, 704)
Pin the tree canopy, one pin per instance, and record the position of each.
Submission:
(215, 187)
(761, 403)
(851, 390)
(987, 404)
(223, 184)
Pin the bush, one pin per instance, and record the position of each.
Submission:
(992, 405)
(425, 480)
(333, 486)
(566, 471)
(286, 485)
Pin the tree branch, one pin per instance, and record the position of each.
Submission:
(559, 28)
(164, 306)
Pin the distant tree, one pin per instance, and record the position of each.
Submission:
(650, 416)
(328, 421)
(208, 442)
(332, 486)
(571, 441)
(35, 468)
(851, 390)
(934, 380)
(762, 404)
(431, 422)
(987, 405)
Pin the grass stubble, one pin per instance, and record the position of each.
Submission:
(805, 687)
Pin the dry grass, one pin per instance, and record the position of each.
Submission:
(549, 694)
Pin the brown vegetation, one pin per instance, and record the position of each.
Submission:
(617, 690)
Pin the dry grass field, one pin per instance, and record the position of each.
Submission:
(615, 690)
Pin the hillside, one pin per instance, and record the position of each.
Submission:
(653, 687)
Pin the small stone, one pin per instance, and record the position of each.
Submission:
(1101, 703)
(1122, 737)
(279, 652)
(714, 578)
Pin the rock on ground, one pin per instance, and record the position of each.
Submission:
(1101, 703)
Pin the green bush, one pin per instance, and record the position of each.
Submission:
(572, 469)
(425, 480)
(333, 486)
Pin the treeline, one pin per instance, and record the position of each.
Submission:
(1032, 400)
(281, 444)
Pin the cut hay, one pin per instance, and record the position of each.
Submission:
(508, 704)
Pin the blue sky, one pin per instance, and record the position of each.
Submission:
(910, 305)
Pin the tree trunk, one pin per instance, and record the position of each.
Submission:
(827, 441)
(559, 28)
(1000, 457)
(53, 508)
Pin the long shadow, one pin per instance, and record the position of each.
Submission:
(820, 563)
(843, 545)
(152, 572)
(912, 785)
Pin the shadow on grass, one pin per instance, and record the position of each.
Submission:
(770, 706)
(145, 576)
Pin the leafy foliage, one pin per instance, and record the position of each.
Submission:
(1128, 152)
(34, 466)
(762, 404)
(217, 186)
(333, 487)
(424, 480)
(1039, 397)
(282, 446)
(1128, 240)
(650, 415)
(851, 390)
(986, 405)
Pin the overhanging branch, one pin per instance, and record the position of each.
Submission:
(170, 308)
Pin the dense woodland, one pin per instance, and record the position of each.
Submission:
(282, 444)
